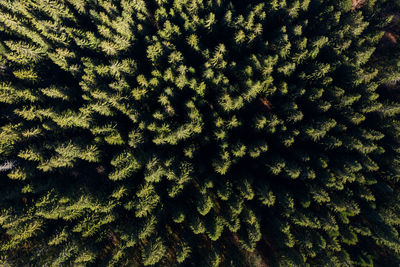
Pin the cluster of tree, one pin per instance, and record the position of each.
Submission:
(197, 133)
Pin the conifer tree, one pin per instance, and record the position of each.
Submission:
(198, 133)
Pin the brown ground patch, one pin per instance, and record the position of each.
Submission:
(115, 238)
(265, 102)
(392, 33)
(260, 261)
(356, 4)
(390, 38)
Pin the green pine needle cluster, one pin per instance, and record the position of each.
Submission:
(197, 133)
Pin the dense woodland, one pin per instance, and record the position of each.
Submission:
(199, 133)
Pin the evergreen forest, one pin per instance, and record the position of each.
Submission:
(243, 133)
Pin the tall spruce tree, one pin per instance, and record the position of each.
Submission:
(197, 133)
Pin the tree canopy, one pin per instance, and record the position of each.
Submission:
(198, 133)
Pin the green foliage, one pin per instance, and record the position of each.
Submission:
(153, 252)
(198, 133)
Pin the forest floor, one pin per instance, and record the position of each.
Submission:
(357, 4)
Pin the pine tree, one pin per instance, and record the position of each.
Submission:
(191, 133)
